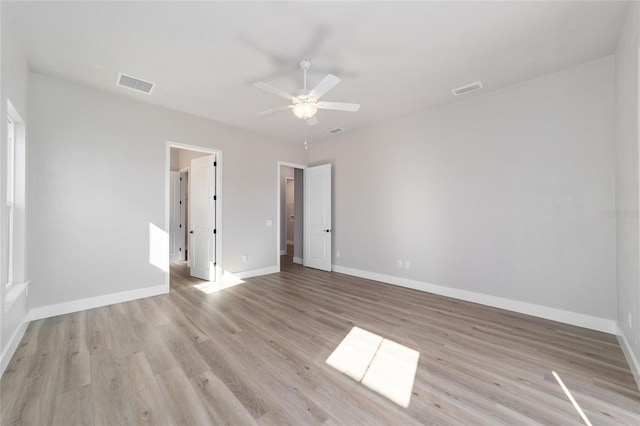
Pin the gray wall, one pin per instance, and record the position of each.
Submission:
(98, 181)
(285, 172)
(14, 85)
(290, 204)
(627, 176)
(185, 157)
(503, 194)
(174, 163)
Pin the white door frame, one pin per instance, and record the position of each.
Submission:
(278, 212)
(219, 230)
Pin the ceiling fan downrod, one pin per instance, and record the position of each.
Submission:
(304, 64)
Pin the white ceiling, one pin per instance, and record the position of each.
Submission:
(394, 58)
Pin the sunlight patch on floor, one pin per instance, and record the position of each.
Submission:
(354, 354)
(228, 280)
(573, 401)
(380, 364)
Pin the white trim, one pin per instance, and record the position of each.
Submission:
(14, 291)
(17, 202)
(256, 272)
(283, 252)
(634, 365)
(219, 197)
(278, 211)
(12, 345)
(297, 260)
(560, 315)
(96, 302)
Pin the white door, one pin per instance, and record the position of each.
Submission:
(175, 217)
(317, 217)
(202, 218)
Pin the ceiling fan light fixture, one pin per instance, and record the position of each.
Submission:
(304, 110)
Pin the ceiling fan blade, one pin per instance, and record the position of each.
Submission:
(312, 121)
(269, 88)
(274, 110)
(326, 84)
(338, 106)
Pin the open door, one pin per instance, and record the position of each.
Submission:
(175, 217)
(317, 217)
(202, 218)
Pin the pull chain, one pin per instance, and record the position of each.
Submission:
(306, 132)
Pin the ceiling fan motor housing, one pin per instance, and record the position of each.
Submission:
(302, 95)
(305, 64)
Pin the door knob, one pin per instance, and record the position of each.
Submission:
(327, 230)
(191, 232)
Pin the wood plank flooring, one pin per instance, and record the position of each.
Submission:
(255, 354)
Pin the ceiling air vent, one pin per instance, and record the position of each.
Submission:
(134, 83)
(336, 130)
(468, 88)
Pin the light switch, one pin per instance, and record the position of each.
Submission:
(269, 222)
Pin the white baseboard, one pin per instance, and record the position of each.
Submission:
(283, 252)
(256, 272)
(634, 365)
(289, 242)
(297, 260)
(567, 317)
(12, 345)
(96, 302)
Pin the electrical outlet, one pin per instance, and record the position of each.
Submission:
(338, 253)
(245, 258)
(399, 263)
(406, 264)
(630, 322)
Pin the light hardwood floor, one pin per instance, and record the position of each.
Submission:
(255, 354)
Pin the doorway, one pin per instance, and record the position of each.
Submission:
(290, 212)
(193, 215)
(313, 237)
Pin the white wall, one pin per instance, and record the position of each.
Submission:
(98, 170)
(502, 195)
(14, 85)
(627, 182)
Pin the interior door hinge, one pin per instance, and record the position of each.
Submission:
(214, 231)
(214, 198)
(180, 202)
(215, 163)
(180, 225)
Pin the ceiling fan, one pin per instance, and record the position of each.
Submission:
(304, 102)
